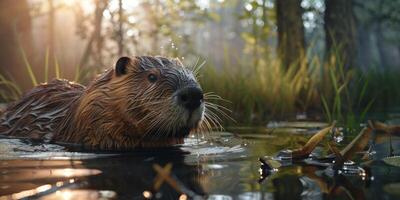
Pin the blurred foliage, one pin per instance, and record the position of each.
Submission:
(154, 27)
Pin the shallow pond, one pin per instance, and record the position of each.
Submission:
(223, 166)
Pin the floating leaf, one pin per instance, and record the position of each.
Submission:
(312, 143)
(394, 160)
(392, 188)
(273, 163)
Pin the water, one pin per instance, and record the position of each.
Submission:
(225, 166)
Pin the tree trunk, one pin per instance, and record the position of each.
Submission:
(15, 25)
(101, 5)
(50, 39)
(94, 46)
(340, 32)
(380, 43)
(291, 43)
(52, 56)
(256, 39)
(120, 29)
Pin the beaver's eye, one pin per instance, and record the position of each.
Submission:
(152, 78)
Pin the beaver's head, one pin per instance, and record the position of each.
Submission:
(162, 97)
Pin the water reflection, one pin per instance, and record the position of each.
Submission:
(81, 195)
(29, 177)
(148, 175)
(127, 175)
(316, 182)
(26, 175)
(226, 167)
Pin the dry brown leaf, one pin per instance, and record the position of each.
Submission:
(379, 126)
(312, 143)
(357, 144)
(339, 160)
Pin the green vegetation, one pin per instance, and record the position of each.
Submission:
(267, 91)
(258, 92)
(10, 90)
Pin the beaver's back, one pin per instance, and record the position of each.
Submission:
(39, 112)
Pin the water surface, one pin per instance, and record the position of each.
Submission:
(223, 165)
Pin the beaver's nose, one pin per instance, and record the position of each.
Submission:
(190, 97)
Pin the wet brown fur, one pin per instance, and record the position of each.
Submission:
(96, 116)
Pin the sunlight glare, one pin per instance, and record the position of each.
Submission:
(127, 5)
(147, 194)
(87, 6)
(203, 4)
(43, 188)
(66, 195)
(68, 172)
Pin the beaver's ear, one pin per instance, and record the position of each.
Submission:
(122, 65)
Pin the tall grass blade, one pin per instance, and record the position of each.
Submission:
(326, 108)
(28, 67)
(77, 73)
(24, 57)
(366, 109)
(46, 66)
(57, 68)
(363, 91)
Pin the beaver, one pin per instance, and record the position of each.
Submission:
(144, 101)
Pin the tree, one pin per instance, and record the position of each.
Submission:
(340, 31)
(51, 19)
(291, 43)
(379, 20)
(95, 42)
(120, 29)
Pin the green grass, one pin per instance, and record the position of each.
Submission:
(258, 94)
(11, 90)
(28, 67)
(346, 101)
(269, 92)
